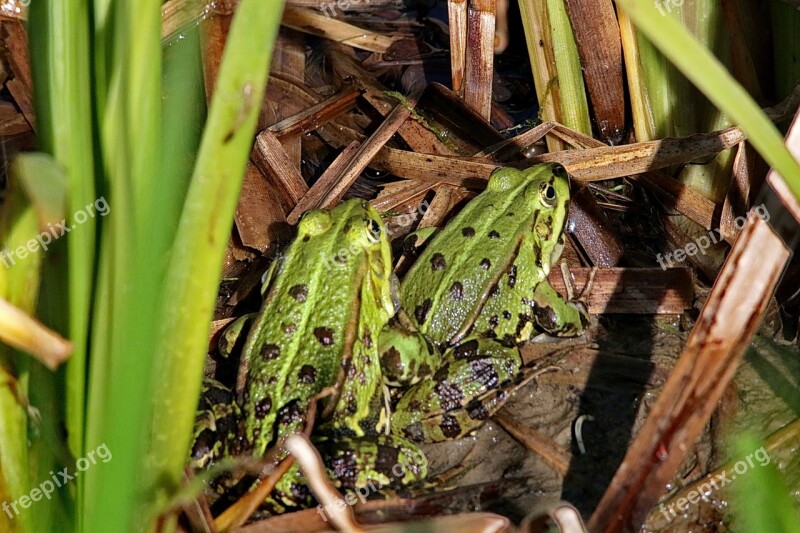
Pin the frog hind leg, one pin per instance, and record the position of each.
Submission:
(290, 492)
(366, 465)
(523, 303)
(362, 466)
(215, 425)
(470, 386)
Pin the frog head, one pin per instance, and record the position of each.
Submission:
(366, 233)
(548, 191)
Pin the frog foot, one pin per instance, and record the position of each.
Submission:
(580, 302)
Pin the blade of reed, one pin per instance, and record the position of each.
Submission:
(61, 68)
(556, 66)
(59, 36)
(674, 107)
(699, 65)
(205, 224)
(128, 92)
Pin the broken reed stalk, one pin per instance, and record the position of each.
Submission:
(480, 56)
(322, 25)
(457, 18)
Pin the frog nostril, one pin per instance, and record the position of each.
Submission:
(559, 170)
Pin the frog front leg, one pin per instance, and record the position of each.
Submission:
(470, 385)
(555, 315)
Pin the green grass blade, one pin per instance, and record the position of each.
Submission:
(59, 36)
(761, 499)
(203, 232)
(699, 65)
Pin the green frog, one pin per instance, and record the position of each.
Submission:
(479, 288)
(326, 300)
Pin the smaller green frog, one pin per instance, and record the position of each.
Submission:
(479, 287)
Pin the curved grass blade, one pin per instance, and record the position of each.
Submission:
(699, 65)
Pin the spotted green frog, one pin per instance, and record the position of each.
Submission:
(325, 302)
(479, 287)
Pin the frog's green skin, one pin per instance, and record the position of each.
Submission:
(325, 302)
(480, 287)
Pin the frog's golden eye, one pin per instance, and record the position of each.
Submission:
(548, 195)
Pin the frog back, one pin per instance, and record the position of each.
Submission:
(312, 316)
(449, 283)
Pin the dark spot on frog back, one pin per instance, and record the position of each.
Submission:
(494, 234)
(512, 276)
(485, 263)
(466, 350)
(484, 373)
(476, 410)
(457, 291)
(450, 395)
(345, 467)
(367, 339)
(307, 374)
(291, 412)
(270, 352)
(468, 232)
(299, 293)
(324, 335)
(421, 311)
(438, 262)
(263, 407)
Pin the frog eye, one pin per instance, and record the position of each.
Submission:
(375, 228)
(548, 195)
